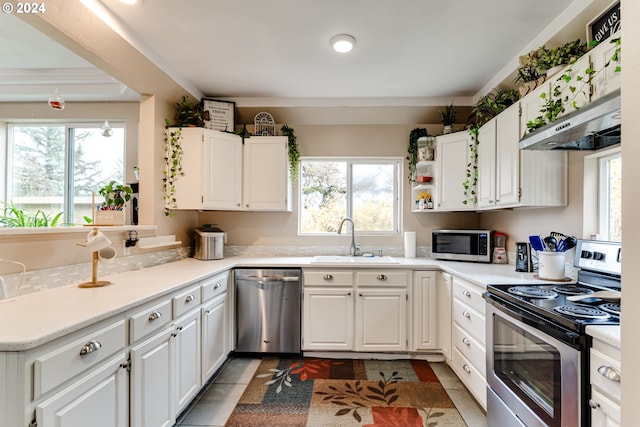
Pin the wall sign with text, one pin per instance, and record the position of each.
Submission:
(606, 24)
(218, 115)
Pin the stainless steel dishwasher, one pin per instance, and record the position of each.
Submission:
(268, 310)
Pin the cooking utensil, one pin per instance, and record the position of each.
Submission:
(551, 243)
(571, 242)
(536, 243)
(562, 245)
(610, 295)
(557, 235)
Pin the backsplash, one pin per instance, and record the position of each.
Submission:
(308, 251)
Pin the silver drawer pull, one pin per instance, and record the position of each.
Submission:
(216, 285)
(593, 404)
(154, 316)
(90, 347)
(466, 368)
(609, 373)
(189, 298)
(466, 341)
(381, 277)
(328, 277)
(466, 293)
(466, 314)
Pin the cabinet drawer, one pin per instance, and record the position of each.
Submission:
(214, 286)
(470, 321)
(470, 376)
(607, 365)
(63, 363)
(470, 348)
(328, 278)
(186, 300)
(382, 278)
(149, 319)
(469, 293)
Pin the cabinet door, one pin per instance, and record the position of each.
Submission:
(607, 80)
(153, 381)
(187, 345)
(189, 188)
(424, 310)
(214, 327)
(530, 106)
(381, 320)
(328, 319)
(582, 94)
(266, 185)
(604, 412)
(486, 189)
(508, 157)
(453, 156)
(99, 399)
(222, 171)
(443, 309)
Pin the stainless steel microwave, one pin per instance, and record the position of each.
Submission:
(462, 245)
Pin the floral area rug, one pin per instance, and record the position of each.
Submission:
(328, 392)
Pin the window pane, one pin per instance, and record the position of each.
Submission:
(323, 201)
(37, 178)
(97, 161)
(373, 197)
(615, 199)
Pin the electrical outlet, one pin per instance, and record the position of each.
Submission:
(126, 250)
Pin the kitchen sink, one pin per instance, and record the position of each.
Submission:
(346, 259)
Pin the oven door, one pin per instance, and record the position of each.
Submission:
(532, 378)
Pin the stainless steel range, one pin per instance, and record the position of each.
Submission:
(537, 347)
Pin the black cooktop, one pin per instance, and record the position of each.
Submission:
(549, 301)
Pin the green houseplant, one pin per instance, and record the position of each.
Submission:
(188, 113)
(173, 165)
(412, 150)
(294, 152)
(111, 210)
(492, 104)
(448, 115)
(12, 216)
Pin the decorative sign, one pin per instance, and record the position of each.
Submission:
(218, 115)
(605, 24)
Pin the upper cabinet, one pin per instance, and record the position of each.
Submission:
(607, 80)
(453, 153)
(220, 173)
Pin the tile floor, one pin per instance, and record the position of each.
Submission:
(215, 404)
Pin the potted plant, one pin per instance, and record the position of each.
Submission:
(188, 114)
(111, 210)
(448, 114)
(412, 151)
(551, 60)
(492, 104)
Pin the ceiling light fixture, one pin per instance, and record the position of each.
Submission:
(343, 43)
(128, 1)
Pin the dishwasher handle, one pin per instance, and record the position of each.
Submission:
(264, 279)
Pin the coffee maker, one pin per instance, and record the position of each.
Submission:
(524, 262)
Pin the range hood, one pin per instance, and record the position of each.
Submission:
(594, 126)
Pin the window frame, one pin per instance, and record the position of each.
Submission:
(595, 211)
(350, 160)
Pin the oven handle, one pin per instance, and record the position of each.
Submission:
(538, 323)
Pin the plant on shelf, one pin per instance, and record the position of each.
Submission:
(492, 104)
(471, 181)
(568, 53)
(448, 114)
(173, 166)
(294, 152)
(12, 217)
(115, 196)
(188, 113)
(412, 149)
(579, 85)
(244, 133)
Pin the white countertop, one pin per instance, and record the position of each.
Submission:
(609, 334)
(34, 319)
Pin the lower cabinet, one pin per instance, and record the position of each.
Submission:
(153, 379)
(328, 319)
(424, 311)
(98, 399)
(381, 319)
(214, 337)
(605, 375)
(188, 355)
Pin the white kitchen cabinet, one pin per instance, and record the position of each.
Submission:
(605, 372)
(214, 335)
(424, 311)
(328, 322)
(582, 94)
(443, 309)
(453, 155)
(188, 356)
(98, 399)
(212, 165)
(266, 183)
(607, 80)
(381, 319)
(509, 177)
(153, 379)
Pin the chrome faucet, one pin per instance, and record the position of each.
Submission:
(353, 250)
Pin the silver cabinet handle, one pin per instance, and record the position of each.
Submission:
(155, 315)
(609, 373)
(466, 314)
(466, 368)
(189, 298)
(466, 293)
(381, 277)
(328, 277)
(216, 285)
(90, 347)
(466, 341)
(593, 404)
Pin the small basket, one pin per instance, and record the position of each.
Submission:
(108, 218)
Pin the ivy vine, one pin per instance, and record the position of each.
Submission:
(412, 151)
(294, 152)
(471, 181)
(173, 166)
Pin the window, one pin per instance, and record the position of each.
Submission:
(54, 168)
(366, 190)
(610, 197)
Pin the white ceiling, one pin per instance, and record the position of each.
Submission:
(271, 51)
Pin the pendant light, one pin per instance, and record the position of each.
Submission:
(106, 130)
(55, 101)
